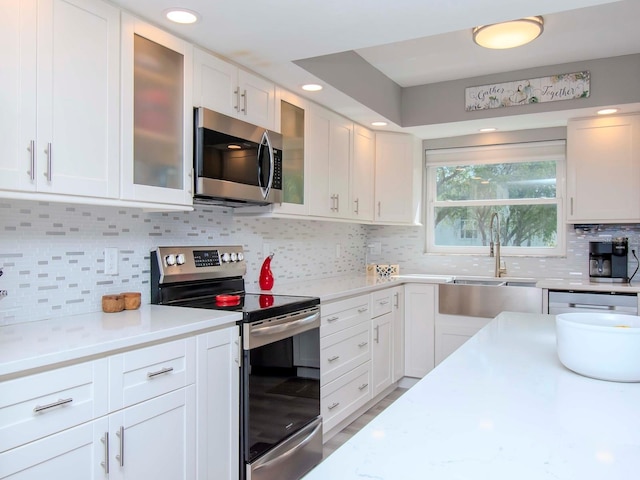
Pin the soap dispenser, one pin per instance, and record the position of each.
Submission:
(266, 276)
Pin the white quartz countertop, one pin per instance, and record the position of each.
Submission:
(501, 407)
(587, 286)
(334, 288)
(34, 345)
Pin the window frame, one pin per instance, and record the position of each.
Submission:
(494, 154)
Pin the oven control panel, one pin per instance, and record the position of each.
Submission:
(182, 263)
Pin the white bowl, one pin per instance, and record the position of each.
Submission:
(605, 346)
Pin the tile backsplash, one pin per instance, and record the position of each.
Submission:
(53, 262)
(405, 246)
(51, 254)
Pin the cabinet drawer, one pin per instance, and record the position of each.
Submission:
(337, 316)
(343, 351)
(151, 371)
(45, 403)
(345, 395)
(381, 303)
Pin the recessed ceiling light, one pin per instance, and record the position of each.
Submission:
(312, 87)
(607, 111)
(508, 34)
(233, 146)
(181, 15)
(379, 124)
(489, 129)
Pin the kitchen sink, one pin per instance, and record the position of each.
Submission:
(479, 297)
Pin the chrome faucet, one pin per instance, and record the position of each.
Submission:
(500, 268)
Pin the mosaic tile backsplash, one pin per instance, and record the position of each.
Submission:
(52, 254)
(53, 262)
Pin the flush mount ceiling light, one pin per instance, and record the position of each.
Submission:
(233, 146)
(181, 15)
(607, 111)
(489, 129)
(508, 34)
(379, 124)
(312, 87)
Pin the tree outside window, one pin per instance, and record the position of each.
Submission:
(525, 195)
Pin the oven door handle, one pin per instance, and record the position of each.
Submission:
(316, 425)
(269, 330)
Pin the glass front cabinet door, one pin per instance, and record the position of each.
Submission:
(292, 127)
(157, 118)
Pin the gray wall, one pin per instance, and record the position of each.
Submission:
(613, 81)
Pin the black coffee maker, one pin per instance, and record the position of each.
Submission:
(608, 260)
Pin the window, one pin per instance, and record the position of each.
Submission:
(519, 182)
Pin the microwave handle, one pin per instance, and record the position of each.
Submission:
(266, 142)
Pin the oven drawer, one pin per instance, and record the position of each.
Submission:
(151, 371)
(41, 404)
(343, 314)
(345, 395)
(343, 351)
(381, 302)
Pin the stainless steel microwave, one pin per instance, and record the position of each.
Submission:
(235, 163)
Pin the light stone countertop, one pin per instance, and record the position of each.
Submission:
(33, 345)
(587, 286)
(335, 288)
(501, 407)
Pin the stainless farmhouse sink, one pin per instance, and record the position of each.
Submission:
(487, 297)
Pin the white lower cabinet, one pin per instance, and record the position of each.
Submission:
(218, 405)
(345, 359)
(361, 340)
(344, 396)
(75, 454)
(419, 329)
(137, 414)
(382, 340)
(398, 332)
(155, 439)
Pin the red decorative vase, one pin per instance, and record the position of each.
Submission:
(266, 276)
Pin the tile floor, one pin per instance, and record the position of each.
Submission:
(360, 422)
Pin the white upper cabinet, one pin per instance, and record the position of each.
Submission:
(227, 89)
(398, 178)
(330, 149)
(157, 115)
(60, 97)
(603, 170)
(362, 174)
(292, 119)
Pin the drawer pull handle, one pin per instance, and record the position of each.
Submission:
(362, 310)
(332, 319)
(159, 372)
(334, 358)
(363, 386)
(42, 408)
(362, 344)
(333, 405)
(105, 464)
(120, 456)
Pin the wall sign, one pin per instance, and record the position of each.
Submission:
(566, 86)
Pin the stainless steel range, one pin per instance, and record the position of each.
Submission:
(280, 423)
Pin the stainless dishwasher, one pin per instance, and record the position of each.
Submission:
(609, 302)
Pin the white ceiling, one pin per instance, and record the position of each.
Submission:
(413, 42)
